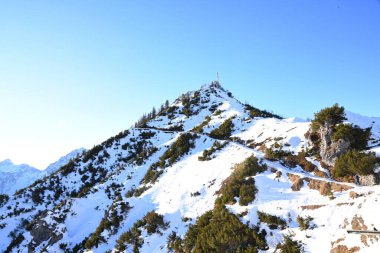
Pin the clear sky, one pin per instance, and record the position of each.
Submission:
(73, 73)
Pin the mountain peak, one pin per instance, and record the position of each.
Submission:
(213, 85)
(6, 162)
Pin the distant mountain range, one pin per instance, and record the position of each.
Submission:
(14, 177)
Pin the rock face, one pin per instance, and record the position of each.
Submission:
(367, 180)
(328, 150)
(42, 232)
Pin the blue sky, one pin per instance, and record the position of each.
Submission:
(73, 73)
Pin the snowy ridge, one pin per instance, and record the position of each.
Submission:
(97, 184)
(63, 160)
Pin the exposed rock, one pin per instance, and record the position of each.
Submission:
(367, 180)
(296, 180)
(42, 232)
(357, 223)
(345, 204)
(344, 249)
(328, 149)
(353, 195)
(297, 185)
(292, 177)
(340, 187)
(311, 207)
(320, 173)
(326, 188)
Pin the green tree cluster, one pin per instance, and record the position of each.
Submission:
(199, 128)
(304, 223)
(240, 183)
(289, 245)
(331, 116)
(354, 162)
(207, 153)
(110, 222)
(357, 137)
(3, 199)
(223, 131)
(152, 222)
(219, 231)
(255, 112)
(272, 220)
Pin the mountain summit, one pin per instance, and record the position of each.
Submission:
(206, 173)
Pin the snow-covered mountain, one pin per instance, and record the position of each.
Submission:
(195, 177)
(63, 161)
(14, 177)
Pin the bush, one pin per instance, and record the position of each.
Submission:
(152, 222)
(275, 155)
(17, 240)
(289, 245)
(179, 148)
(354, 162)
(3, 199)
(220, 231)
(357, 137)
(299, 159)
(207, 154)
(304, 222)
(174, 242)
(223, 131)
(151, 175)
(331, 116)
(272, 220)
(110, 222)
(199, 128)
(254, 112)
(240, 183)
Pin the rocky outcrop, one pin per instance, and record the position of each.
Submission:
(328, 150)
(42, 232)
(344, 249)
(324, 187)
(329, 153)
(367, 180)
(296, 180)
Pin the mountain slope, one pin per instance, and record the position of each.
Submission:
(134, 190)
